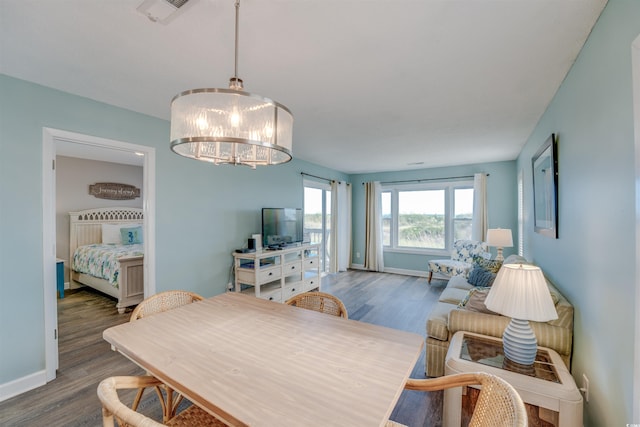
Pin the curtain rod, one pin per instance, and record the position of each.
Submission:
(320, 177)
(427, 179)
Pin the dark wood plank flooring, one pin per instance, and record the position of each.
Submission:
(396, 301)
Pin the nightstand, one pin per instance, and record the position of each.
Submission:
(60, 277)
(547, 388)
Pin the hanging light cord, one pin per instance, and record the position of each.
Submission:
(237, 22)
(235, 82)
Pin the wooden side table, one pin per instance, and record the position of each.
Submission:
(547, 388)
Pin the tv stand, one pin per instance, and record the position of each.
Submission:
(278, 274)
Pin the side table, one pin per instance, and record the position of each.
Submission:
(60, 277)
(547, 388)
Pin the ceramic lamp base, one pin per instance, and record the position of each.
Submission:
(519, 342)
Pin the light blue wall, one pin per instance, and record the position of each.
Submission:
(593, 260)
(502, 197)
(203, 212)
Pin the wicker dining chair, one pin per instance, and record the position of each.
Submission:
(113, 408)
(498, 405)
(163, 301)
(319, 301)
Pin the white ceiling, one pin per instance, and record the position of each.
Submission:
(374, 85)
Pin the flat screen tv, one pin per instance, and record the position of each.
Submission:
(281, 227)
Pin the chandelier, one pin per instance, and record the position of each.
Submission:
(230, 126)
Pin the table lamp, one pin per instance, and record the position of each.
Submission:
(520, 291)
(499, 238)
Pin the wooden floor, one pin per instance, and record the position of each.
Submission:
(396, 301)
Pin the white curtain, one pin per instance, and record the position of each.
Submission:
(480, 221)
(373, 255)
(340, 239)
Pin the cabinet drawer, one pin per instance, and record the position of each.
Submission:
(312, 283)
(271, 294)
(292, 268)
(292, 289)
(269, 275)
(311, 263)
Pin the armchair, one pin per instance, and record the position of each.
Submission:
(461, 260)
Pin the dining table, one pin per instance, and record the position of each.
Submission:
(253, 362)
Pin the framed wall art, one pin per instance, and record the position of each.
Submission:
(545, 188)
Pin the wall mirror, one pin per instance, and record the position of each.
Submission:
(545, 188)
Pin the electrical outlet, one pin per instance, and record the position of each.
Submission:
(585, 387)
(358, 255)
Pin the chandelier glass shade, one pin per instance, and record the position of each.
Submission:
(230, 126)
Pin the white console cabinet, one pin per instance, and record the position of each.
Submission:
(277, 275)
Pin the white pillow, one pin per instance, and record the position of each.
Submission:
(111, 232)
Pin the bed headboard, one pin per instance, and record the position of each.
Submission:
(85, 226)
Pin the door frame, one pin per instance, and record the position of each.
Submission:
(635, 73)
(49, 138)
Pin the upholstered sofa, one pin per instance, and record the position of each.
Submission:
(447, 318)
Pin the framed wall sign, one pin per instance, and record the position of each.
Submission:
(545, 188)
(114, 191)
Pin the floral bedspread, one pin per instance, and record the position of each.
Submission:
(101, 260)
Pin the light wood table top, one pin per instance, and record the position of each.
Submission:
(259, 363)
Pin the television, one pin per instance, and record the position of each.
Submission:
(281, 227)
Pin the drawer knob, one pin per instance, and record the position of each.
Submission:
(271, 273)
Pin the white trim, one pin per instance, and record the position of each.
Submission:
(21, 385)
(415, 273)
(49, 138)
(49, 256)
(635, 72)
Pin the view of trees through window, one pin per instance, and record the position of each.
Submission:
(422, 217)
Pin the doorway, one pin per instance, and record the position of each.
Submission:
(317, 218)
(91, 146)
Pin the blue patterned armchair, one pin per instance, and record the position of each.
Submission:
(461, 260)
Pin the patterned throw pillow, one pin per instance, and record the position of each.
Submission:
(131, 236)
(481, 277)
(488, 264)
(474, 301)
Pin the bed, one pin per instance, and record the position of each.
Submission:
(123, 275)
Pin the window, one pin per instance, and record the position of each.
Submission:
(424, 217)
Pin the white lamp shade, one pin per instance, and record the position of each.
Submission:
(499, 237)
(520, 291)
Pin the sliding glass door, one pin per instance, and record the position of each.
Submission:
(317, 218)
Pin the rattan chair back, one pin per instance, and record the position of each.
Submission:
(158, 303)
(498, 405)
(319, 301)
(163, 301)
(113, 409)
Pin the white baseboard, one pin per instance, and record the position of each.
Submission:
(21, 385)
(417, 273)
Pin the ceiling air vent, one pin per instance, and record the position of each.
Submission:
(160, 10)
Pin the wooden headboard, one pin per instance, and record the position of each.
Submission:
(86, 226)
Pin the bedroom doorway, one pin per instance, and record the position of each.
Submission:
(87, 147)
